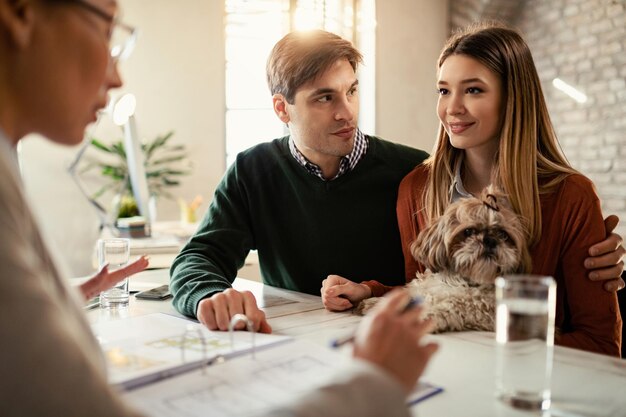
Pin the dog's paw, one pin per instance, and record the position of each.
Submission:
(439, 319)
(364, 306)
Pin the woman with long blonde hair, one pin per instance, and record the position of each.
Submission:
(496, 130)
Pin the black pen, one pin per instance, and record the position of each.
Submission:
(413, 302)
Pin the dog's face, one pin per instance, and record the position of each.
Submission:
(478, 239)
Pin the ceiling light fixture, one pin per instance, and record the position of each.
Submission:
(573, 92)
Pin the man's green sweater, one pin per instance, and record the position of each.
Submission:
(303, 228)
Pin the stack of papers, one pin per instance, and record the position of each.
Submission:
(156, 244)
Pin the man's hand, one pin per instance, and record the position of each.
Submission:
(606, 261)
(391, 339)
(103, 279)
(339, 294)
(216, 311)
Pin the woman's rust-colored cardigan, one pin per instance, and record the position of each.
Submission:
(587, 316)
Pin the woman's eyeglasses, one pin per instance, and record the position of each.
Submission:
(122, 37)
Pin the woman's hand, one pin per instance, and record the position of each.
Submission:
(392, 339)
(103, 279)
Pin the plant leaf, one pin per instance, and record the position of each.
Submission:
(161, 172)
(118, 148)
(103, 189)
(159, 142)
(168, 159)
(99, 145)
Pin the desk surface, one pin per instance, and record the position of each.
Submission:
(167, 240)
(583, 384)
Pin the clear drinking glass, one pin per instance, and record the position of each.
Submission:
(115, 252)
(525, 312)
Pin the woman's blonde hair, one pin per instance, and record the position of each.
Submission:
(529, 161)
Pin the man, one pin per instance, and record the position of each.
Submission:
(320, 201)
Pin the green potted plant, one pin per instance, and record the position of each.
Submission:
(165, 164)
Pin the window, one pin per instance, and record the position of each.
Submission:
(252, 29)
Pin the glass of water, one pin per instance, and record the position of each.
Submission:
(115, 252)
(525, 311)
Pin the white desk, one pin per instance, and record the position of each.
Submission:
(583, 384)
(167, 240)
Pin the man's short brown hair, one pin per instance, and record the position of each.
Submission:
(300, 57)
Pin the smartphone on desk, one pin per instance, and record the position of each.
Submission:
(158, 293)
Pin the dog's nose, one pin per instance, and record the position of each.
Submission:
(490, 243)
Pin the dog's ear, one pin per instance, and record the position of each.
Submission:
(429, 248)
(526, 262)
(517, 228)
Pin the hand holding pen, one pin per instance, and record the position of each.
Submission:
(413, 302)
(390, 337)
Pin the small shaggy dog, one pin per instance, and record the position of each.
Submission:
(464, 251)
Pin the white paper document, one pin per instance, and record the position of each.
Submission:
(144, 349)
(247, 387)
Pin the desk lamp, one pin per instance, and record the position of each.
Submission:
(122, 111)
(123, 115)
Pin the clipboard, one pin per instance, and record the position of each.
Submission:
(145, 349)
(247, 386)
(231, 373)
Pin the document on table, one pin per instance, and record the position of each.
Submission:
(277, 302)
(247, 387)
(144, 349)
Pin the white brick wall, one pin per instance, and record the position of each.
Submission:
(582, 42)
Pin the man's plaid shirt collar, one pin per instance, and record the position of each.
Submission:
(347, 163)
